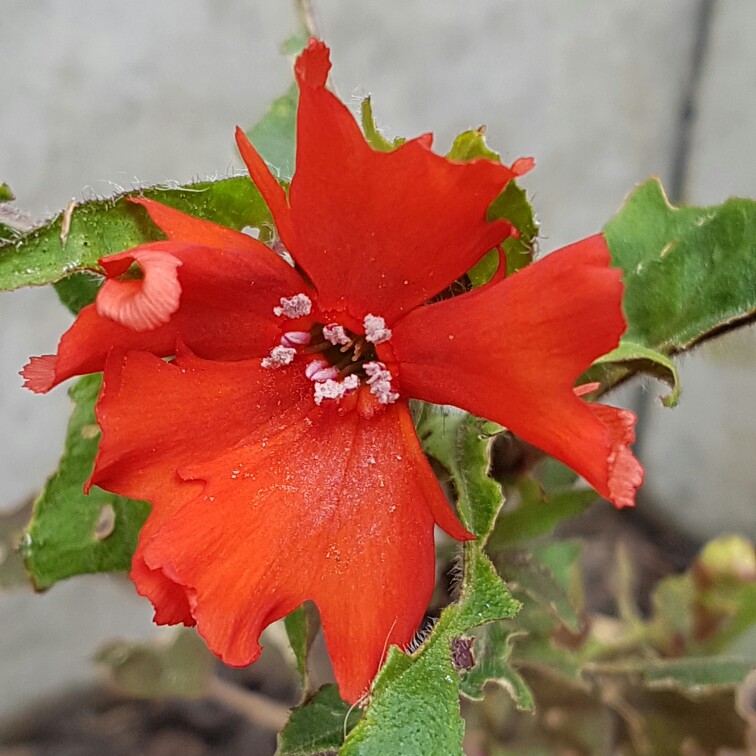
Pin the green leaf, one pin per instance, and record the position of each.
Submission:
(317, 726)
(184, 667)
(493, 648)
(689, 272)
(470, 145)
(6, 195)
(274, 135)
(414, 706)
(462, 444)
(104, 227)
(302, 626)
(538, 513)
(374, 137)
(694, 675)
(72, 533)
(643, 359)
(78, 290)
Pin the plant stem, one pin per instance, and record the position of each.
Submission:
(307, 17)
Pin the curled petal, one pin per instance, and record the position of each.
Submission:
(225, 311)
(511, 352)
(145, 304)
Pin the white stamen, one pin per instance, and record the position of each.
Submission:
(379, 380)
(331, 389)
(294, 307)
(296, 338)
(279, 356)
(336, 334)
(320, 370)
(375, 329)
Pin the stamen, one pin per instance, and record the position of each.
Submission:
(336, 334)
(296, 338)
(379, 380)
(279, 356)
(331, 389)
(320, 370)
(375, 329)
(294, 307)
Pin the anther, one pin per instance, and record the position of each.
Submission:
(379, 380)
(279, 356)
(375, 329)
(320, 370)
(294, 307)
(331, 389)
(336, 334)
(296, 338)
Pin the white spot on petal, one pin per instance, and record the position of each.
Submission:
(375, 329)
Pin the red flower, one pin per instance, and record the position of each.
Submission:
(277, 448)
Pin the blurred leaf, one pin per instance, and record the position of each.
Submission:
(493, 648)
(12, 572)
(71, 533)
(181, 667)
(538, 513)
(643, 359)
(104, 227)
(462, 444)
(274, 135)
(317, 726)
(527, 575)
(689, 272)
(374, 137)
(415, 698)
(6, 195)
(302, 626)
(694, 676)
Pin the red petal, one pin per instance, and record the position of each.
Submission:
(225, 310)
(381, 232)
(512, 352)
(158, 416)
(272, 192)
(39, 373)
(178, 226)
(145, 304)
(333, 509)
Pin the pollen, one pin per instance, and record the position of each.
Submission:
(336, 334)
(279, 356)
(294, 307)
(379, 380)
(331, 389)
(375, 329)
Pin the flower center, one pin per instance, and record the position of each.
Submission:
(339, 361)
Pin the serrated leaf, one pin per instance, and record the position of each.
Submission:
(414, 705)
(470, 145)
(642, 359)
(302, 626)
(374, 137)
(317, 726)
(689, 272)
(72, 533)
(104, 227)
(462, 444)
(274, 135)
(181, 667)
(492, 649)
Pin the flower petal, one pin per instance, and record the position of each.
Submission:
(511, 352)
(381, 232)
(225, 310)
(196, 410)
(333, 509)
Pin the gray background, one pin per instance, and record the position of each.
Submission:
(97, 95)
